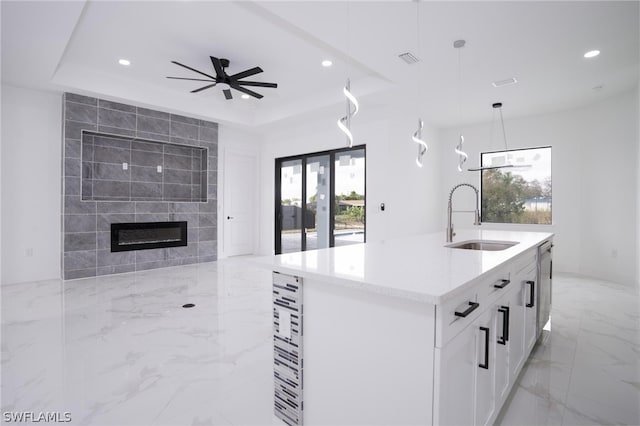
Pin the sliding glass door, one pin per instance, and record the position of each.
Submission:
(320, 200)
(349, 194)
(291, 205)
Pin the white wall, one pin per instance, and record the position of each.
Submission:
(638, 187)
(239, 140)
(31, 184)
(409, 193)
(595, 181)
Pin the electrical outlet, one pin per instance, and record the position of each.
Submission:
(382, 207)
(125, 166)
(614, 253)
(29, 252)
(159, 169)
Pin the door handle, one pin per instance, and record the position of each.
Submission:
(505, 325)
(531, 294)
(472, 307)
(229, 217)
(502, 284)
(486, 348)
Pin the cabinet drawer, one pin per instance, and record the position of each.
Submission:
(483, 293)
(448, 323)
(495, 285)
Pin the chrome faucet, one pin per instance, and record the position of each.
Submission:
(450, 210)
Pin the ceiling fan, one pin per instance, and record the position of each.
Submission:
(228, 82)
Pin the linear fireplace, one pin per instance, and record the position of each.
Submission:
(147, 235)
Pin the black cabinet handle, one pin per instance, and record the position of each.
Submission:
(503, 284)
(229, 217)
(531, 294)
(472, 307)
(505, 325)
(486, 348)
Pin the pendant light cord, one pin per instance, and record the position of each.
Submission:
(504, 133)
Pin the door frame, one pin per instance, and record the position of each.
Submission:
(332, 189)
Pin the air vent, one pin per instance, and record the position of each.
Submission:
(409, 58)
(507, 82)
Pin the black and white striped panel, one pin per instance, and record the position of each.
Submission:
(287, 348)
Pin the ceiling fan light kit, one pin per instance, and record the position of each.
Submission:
(226, 81)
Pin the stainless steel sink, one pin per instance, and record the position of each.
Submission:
(486, 245)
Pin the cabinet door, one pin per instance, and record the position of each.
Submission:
(516, 327)
(485, 391)
(529, 301)
(456, 379)
(503, 345)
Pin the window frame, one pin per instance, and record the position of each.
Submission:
(332, 158)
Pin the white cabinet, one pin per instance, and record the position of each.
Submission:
(455, 379)
(465, 374)
(516, 328)
(503, 339)
(529, 287)
(482, 353)
(485, 390)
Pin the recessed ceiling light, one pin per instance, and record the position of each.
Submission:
(327, 63)
(245, 96)
(592, 54)
(124, 62)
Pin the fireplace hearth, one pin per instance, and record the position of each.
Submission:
(147, 235)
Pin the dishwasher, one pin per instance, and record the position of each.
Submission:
(545, 274)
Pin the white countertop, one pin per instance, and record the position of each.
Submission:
(418, 268)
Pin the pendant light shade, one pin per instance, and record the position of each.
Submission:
(462, 156)
(352, 109)
(422, 145)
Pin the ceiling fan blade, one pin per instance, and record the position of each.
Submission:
(193, 69)
(247, 73)
(247, 91)
(204, 87)
(256, 83)
(227, 94)
(217, 65)
(192, 79)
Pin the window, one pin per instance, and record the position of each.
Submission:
(518, 194)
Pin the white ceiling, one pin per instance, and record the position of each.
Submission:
(76, 45)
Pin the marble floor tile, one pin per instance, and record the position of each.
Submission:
(121, 350)
(588, 368)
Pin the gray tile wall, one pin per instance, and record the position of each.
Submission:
(182, 176)
(86, 223)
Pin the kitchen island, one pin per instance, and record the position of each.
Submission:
(405, 331)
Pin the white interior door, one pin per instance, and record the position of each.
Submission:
(239, 203)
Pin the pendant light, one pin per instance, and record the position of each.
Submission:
(462, 156)
(417, 135)
(507, 164)
(344, 123)
(422, 145)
